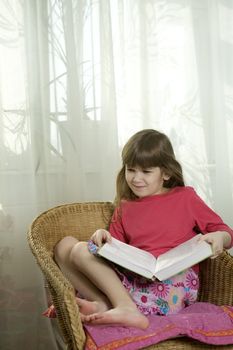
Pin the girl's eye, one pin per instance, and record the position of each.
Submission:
(147, 171)
(130, 169)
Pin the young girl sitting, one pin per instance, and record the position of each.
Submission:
(154, 211)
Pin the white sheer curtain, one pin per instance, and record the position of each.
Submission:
(77, 78)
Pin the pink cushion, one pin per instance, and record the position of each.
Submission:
(205, 322)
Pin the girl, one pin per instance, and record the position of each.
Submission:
(155, 212)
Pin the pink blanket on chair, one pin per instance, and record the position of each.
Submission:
(205, 322)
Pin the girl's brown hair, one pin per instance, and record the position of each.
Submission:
(146, 149)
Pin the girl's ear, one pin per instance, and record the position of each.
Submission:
(166, 177)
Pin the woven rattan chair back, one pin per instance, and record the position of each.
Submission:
(81, 220)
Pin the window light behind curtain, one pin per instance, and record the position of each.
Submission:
(77, 79)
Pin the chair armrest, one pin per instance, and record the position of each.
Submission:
(63, 296)
(216, 280)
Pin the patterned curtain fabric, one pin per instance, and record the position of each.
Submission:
(77, 79)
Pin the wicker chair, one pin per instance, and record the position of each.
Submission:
(81, 220)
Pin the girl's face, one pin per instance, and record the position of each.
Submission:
(145, 182)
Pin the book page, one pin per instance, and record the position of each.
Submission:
(182, 257)
(128, 256)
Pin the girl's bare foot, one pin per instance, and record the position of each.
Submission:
(123, 316)
(90, 307)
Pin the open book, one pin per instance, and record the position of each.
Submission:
(165, 266)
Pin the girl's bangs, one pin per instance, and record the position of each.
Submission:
(142, 159)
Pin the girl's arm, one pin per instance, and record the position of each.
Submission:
(210, 224)
(116, 227)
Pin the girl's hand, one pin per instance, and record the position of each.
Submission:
(101, 236)
(218, 240)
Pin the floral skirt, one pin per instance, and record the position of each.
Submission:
(162, 298)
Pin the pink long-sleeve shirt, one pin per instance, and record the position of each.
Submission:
(160, 222)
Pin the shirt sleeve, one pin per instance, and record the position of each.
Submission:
(116, 227)
(206, 219)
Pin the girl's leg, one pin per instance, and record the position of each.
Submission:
(95, 271)
(62, 255)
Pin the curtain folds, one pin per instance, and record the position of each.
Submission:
(77, 79)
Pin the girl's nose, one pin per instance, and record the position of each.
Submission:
(137, 176)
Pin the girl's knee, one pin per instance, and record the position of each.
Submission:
(79, 254)
(63, 248)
